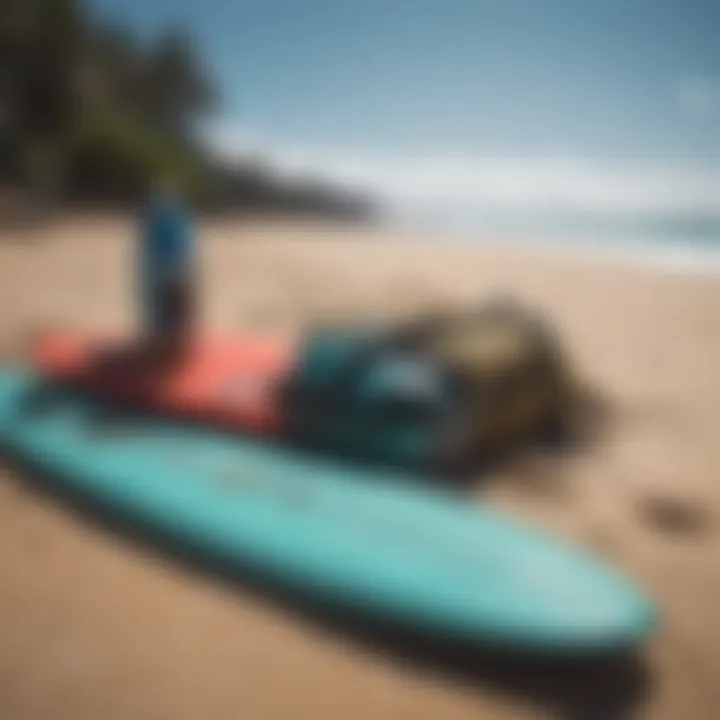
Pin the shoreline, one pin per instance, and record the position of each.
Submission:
(692, 256)
(663, 254)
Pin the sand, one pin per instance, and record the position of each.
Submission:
(95, 626)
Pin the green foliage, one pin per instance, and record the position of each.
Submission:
(87, 106)
(173, 90)
(91, 113)
(115, 155)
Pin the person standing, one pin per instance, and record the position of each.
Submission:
(168, 278)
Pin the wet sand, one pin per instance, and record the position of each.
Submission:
(96, 626)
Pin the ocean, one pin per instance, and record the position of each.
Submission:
(671, 242)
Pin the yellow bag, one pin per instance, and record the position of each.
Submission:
(509, 363)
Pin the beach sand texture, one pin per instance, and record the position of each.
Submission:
(95, 626)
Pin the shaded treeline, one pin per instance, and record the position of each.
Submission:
(90, 113)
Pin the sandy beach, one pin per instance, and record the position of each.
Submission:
(94, 626)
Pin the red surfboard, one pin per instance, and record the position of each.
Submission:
(222, 380)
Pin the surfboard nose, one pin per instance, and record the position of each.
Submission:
(592, 607)
(614, 620)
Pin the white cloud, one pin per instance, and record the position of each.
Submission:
(699, 95)
(553, 183)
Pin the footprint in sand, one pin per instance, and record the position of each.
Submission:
(675, 516)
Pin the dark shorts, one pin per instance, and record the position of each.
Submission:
(173, 302)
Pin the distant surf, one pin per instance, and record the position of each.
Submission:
(681, 243)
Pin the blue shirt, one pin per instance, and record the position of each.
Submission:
(168, 241)
(167, 252)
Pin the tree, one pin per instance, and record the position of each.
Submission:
(87, 108)
(175, 89)
(117, 156)
(40, 48)
(112, 68)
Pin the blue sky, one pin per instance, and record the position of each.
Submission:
(605, 99)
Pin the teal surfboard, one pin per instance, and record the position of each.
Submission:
(382, 546)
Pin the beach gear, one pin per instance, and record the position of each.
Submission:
(380, 547)
(436, 394)
(230, 382)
